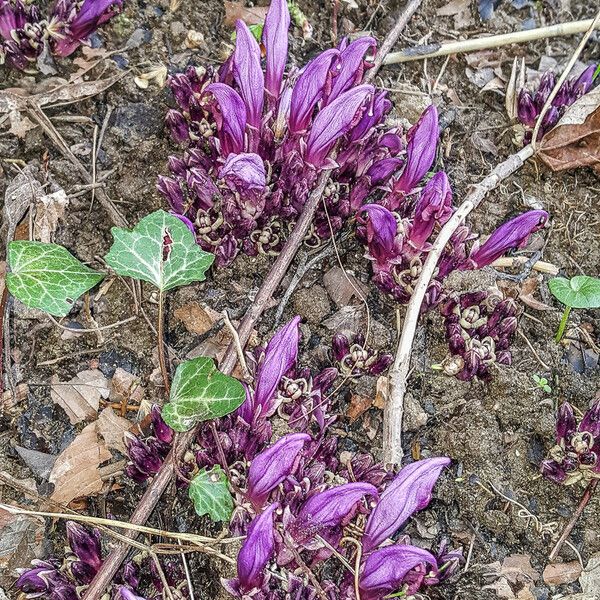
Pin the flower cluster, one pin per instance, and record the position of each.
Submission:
(53, 579)
(575, 456)
(479, 328)
(530, 104)
(355, 358)
(258, 139)
(25, 33)
(295, 501)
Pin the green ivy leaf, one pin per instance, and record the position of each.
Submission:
(47, 276)
(200, 392)
(580, 291)
(210, 494)
(161, 250)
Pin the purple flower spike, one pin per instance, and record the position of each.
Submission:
(409, 492)
(310, 88)
(335, 120)
(230, 118)
(380, 232)
(161, 430)
(421, 149)
(352, 66)
(273, 465)
(257, 550)
(248, 73)
(244, 172)
(332, 507)
(84, 544)
(513, 234)
(280, 355)
(434, 206)
(275, 41)
(384, 570)
(73, 22)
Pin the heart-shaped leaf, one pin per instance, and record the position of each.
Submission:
(161, 250)
(210, 494)
(200, 392)
(580, 291)
(47, 276)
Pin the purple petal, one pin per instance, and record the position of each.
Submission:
(434, 207)
(384, 570)
(178, 126)
(275, 41)
(526, 109)
(85, 544)
(248, 73)
(409, 492)
(310, 88)
(351, 67)
(244, 171)
(185, 221)
(335, 120)
(257, 550)
(513, 234)
(331, 507)
(230, 118)
(551, 470)
(372, 117)
(280, 356)
(171, 190)
(126, 594)
(591, 420)
(381, 232)
(273, 465)
(420, 150)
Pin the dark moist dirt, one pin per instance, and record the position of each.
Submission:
(496, 434)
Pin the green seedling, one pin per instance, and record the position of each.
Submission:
(542, 383)
(580, 291)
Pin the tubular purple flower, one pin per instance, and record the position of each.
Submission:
(591, 420)
(273, 465)
(257, 550)
(178, 126)
(280, 356)
(275, 41)
(244, 172)
(380, 232)
(351, 66)
(513, 234)
(584, 82)
(332, 507)
(172, 191)
(249, 74)
(526, 109)
(409, 492)
(420, 150)
(85, 544)
(434, 206)
(566, 424)
(126, 594)
(230, 118)
(310, 88)
(162, 431)
(335, 120)
(384, 570)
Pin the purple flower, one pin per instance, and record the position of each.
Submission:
(356, 359)
(384, 570)
(275, 41)
(256, 552)
(73, 22)
(527, 112)
(380, 234)
(279, 357)
(409, 492)
(351, 66)
(85, 544)
(22, 32)
(162, 431)
(513, 234)
(244, 172)
(421, 149)
(230, 117)
(273, 465)
(126, 594)
(335, 120)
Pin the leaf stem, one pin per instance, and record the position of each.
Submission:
(563, 324)
(161, 342)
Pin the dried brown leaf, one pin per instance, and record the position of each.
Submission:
(21, 540)
(197, 319)
(460, 10)
(80, 397)
(21, 193)
(575, 141)
(559, 573)
(8, 401)
(238, 10)
(381, 392)
(112, 427)
(49, 209)
(125, 386)
(76, 470)
(358, 405)
(342, 287)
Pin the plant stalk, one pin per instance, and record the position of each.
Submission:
(161, 343)
(563, 324)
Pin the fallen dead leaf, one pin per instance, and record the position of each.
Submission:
(8, 401)
(238, 10)
(559, 573)
(80, 397)
(76, 471)
(590, 578)
(460, 10)
(526, 294)
(40, 463)
(49, 209)
(575, 141)
(112, 427)
(381, 392)
(197, 319)
(347, 320)
(342, 286)
(126, 387)
(515, 578)
(358, 405)
(21, 540)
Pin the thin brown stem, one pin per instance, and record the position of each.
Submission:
(587, 495)
(161, 342)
